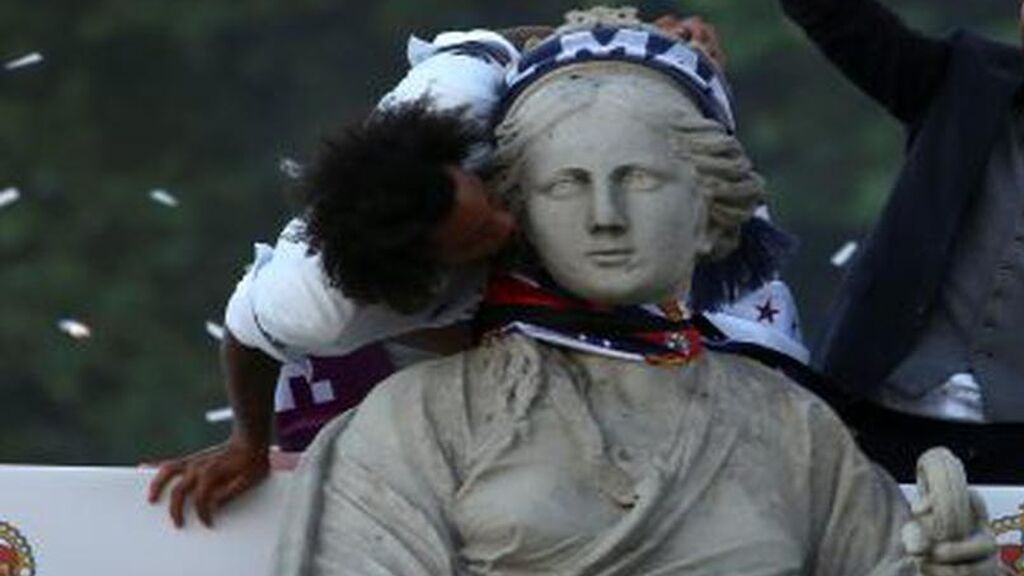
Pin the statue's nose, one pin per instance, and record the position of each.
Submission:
(606, 211)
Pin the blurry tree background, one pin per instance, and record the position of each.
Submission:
(204, 99)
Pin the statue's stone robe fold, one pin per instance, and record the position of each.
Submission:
(519, 458)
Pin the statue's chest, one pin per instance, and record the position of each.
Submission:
(545, 503)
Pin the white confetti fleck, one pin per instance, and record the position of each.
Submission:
(215, 330)
(290, 168)
(161, 196)
(9, 196)
(220, 415)
(24, 61)
(74, 328)
(843, 255)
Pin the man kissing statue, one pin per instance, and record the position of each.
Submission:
(591, 432)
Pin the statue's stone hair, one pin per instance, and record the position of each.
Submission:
(589, 18)
(724, 173)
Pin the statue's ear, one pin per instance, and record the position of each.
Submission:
(705, 242)
(709, 235)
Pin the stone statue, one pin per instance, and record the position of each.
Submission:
(528, 455)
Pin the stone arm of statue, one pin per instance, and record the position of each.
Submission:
(975, 554)
(946, 533)
(893, 64)
(949, 532)
(857, 510)
(214, 476)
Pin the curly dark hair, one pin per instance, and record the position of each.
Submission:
(375, 193)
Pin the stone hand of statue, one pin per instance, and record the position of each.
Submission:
(695, 31)
(971, 555)
(211, 477)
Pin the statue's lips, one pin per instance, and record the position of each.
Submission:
(610, 256)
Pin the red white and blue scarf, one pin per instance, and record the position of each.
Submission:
(659, 335)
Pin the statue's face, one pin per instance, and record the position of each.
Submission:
(613, 213)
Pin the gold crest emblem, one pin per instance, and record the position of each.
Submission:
(1012, 554)
(15, 553)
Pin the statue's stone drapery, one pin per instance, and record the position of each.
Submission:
(518, 458)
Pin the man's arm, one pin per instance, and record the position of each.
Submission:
(521, 36)
(897, 66)
(214, 476)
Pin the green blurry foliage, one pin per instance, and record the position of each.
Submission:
(203, 98)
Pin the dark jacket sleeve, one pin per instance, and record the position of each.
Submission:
(898, 67)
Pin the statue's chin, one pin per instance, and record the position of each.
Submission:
(618, 293)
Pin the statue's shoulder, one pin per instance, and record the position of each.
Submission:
(444, 395)
(770, 393)
(456, 400)
(422, 387)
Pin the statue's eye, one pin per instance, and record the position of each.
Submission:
(566, 185)
(639, 179)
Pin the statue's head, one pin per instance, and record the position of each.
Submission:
(622, 180)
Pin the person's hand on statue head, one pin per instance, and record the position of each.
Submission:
(695, 31)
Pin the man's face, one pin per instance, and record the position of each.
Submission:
(613, 213)
(476, 227)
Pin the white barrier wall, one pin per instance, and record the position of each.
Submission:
(64, 521)
(96, 521)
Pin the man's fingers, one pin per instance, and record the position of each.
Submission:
(711, 35)
(705, 37)
(163, 476)
(701, 30)
(673, 26)
(232, 490)
(683, 32)
(221, 495)
(212, 492)
(695, 30)
(667, 21)
(203, 495)
(178, 496)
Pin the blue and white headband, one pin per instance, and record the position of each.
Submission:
(683, 63)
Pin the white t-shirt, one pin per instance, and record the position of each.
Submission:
(453, 77)
(286, 306)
